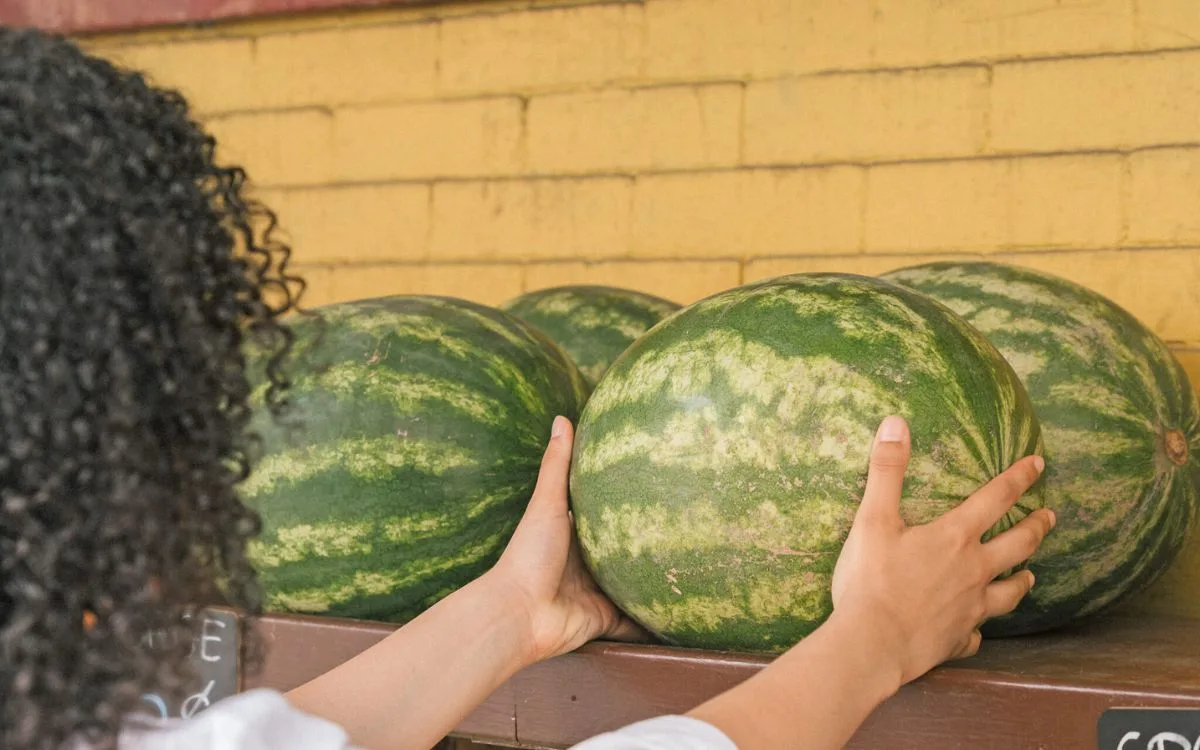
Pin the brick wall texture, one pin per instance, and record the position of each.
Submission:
(684, 146)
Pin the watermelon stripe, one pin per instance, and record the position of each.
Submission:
(361, 458)
(404, 391)
(362, 591)
(337, 495)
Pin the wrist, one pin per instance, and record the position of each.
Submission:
(514, 616)
(872, 644)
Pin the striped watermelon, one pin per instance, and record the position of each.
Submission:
(592, 323)
(719, 463)
(1120, 422)
(423, 423)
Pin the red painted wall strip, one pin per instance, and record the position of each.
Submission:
(88, 16)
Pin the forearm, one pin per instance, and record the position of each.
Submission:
(813, 697)
(413, 687)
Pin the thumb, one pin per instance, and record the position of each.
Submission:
(550, 492)
(535, 539)
(885, 476)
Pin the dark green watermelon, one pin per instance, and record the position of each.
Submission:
(423, 424)
(720, 461)
(593, 324)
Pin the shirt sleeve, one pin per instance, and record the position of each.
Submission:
(254, 720)
(662, 733)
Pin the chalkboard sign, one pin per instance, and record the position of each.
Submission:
(1149, 728)
(216, 655)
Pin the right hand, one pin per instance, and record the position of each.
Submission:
(542, 569)
(921, 593)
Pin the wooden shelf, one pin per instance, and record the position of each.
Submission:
(1037, 692)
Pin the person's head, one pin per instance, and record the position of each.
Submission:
(132, 267)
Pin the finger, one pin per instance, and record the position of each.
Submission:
(575, 558)
(547, 507)
(628, 631)
(982, 510)
(1004, 596)
(885, 475)
(971, 647)
(1016, 545)
(550, 492)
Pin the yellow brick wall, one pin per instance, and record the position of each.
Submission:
(684, 146)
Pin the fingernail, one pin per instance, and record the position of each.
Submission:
(1039, 463)
(1053, 518)
(558, 428)
(1032, 578)
(892, 430)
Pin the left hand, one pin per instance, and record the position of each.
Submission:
(543, 571)
(920, 593)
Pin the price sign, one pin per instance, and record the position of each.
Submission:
(216, 655)
(1149, 729)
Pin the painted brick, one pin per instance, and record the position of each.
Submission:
(746, 213)
(1156, 286)
(1189, 357)
(683, 281)
(279, 148)
(438, 139)
(717, 39)
(518, 219)
(860, 117)
(540, 49)
(489, 284)
(1164, 194)
(354, 224)
(347, 66)
(1115, 102)
(1167, 23)
(1174, 593)
(215, 75)
(992, 205)
(930, 32)
(317, 290)
(865, 265)
(627, 131)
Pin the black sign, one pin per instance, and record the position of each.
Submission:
(215, 653)
(1149, 729)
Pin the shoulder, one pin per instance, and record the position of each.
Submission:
(662, 733)
(253, 720)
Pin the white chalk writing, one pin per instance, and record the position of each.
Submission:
(206, 638)
(1159, 741)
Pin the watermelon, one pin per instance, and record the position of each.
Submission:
(592, 323)
(421, 425)
(719, 463)
(1120, 422)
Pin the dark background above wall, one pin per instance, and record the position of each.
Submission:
(89, 16)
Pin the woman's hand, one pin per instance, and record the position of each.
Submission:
(542, 570)
(905, 600)
(410, 689)
(924, 591)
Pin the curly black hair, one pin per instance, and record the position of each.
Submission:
(133, 271)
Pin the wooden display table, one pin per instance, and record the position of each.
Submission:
(1039, 692)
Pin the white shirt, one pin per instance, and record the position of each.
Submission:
(264, 720)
